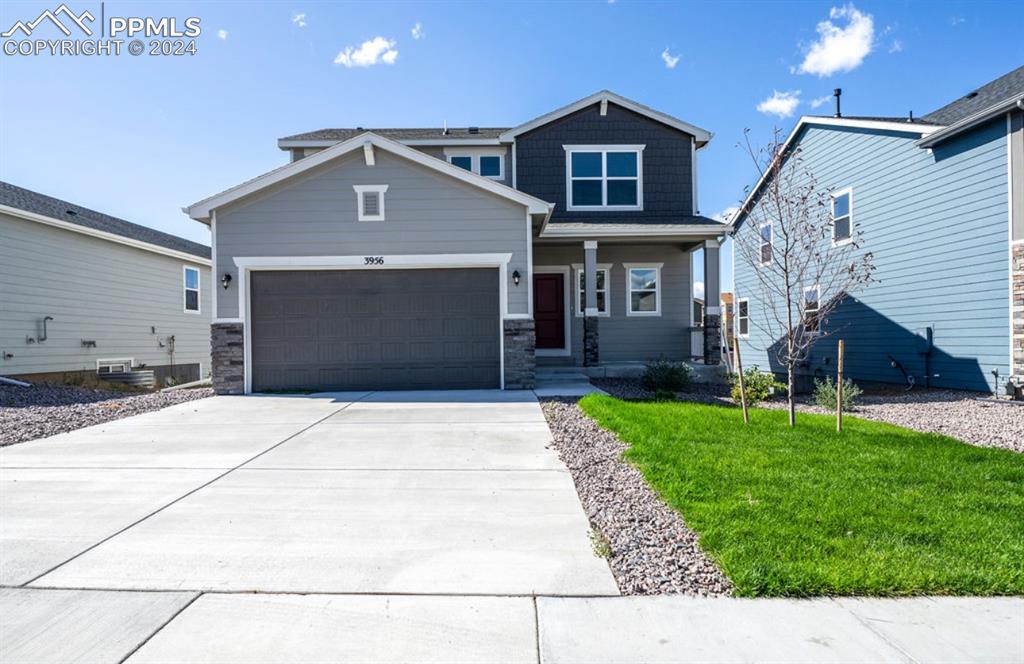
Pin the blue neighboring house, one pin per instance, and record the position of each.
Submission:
(939, 202)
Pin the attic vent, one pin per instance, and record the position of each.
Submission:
(370, 201)
(971, 95)
(71, 212)
(474, 130)
(371, 204)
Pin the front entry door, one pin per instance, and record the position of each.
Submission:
(549, 310)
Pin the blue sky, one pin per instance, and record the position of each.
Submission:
(138, 137)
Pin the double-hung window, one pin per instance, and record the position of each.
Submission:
(643, 289)
(603, 274)
(842, 216)
(604, 177)
(766, 243)
(191, 289)
(812, 296)
(743, 317)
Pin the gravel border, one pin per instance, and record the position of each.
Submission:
(966, 416)
(649, 548)
(28, 413)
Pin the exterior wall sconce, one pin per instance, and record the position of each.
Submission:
(225, 281)
(515, 277)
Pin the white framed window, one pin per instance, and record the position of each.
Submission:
(119, 365)
(643, 289)
(766, 242)
(604, 273)
(483, 161)
(842, 216)
(743, 318)
(190, 289)
(604, 177)
(370, 201)
(812, 305)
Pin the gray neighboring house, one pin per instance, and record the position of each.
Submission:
(463, 258)
(84, 292)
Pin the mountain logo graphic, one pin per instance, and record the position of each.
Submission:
(78, 20)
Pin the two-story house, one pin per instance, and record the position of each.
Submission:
(462, 258)
(939, 202)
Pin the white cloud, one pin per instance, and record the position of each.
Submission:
(222, 34)
(896, 46)
(417, 31)
(956, 20)
(838, 48)
(670, 60)
(726, 214)
(371, 52)
(820, 101)
(781, 104)
(299, 20)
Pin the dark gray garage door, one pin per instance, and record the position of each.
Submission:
(375, 329)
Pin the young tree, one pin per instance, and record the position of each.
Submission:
(786, 241)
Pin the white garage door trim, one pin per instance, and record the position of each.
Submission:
(247, 264)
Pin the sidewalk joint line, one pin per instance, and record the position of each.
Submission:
(868, 626)
(160, 627)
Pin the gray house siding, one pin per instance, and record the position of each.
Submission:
(667, 167)
(96, 290)
(936, 223)
(625, 338)
(314, 214)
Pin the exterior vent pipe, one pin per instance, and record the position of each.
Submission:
(837, 93)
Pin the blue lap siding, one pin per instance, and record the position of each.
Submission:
(937, 225)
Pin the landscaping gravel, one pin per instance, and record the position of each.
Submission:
(651, 551)
(27, 413)
(967, 416)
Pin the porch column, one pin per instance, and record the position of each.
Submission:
(590, 336)
(712, 305)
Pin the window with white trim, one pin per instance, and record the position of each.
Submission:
(604, 177)
(120, 365)
(812, 296)
(643, 289)
(370, 201)
(743, 317)
(766, 243)
(603, 279)
(490, 165)
(190, 284)
(842, 216)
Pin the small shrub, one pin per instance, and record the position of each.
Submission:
(667, 375)
(759, 385)
(825, 394)
(664, 395)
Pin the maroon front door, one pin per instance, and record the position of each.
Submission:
(549, 310)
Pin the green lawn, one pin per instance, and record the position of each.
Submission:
(876, 510)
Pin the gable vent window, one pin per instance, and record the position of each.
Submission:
(842, 216)
(370, 201)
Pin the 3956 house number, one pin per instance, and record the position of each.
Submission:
(373, 260)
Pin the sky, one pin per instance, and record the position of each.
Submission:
(140, 137)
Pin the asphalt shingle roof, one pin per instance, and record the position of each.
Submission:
(991, 93)
(399, 134)
(31, 201)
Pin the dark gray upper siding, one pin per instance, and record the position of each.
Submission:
(314, 214)
(667, 174)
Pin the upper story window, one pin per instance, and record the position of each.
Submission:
(482, 161)
(191, 289)
(743, 317)
(370, 201)
(604, 177)
(643, 289)
(842, 216)
(811, 307)
(603, 279)
(766, 243)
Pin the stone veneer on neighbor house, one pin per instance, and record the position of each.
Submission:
(520, 354)
(1017, 313)
(227, 346)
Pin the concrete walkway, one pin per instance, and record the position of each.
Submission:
(375, 527)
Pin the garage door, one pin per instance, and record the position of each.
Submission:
(375, 329)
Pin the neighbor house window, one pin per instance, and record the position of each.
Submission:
(370, 201)
(811, 308)
(842, 216)
(643, 289)
(743, 317)
(489, 165)
(603, 278)
(766, 243)
(608, 177)
(191, 285)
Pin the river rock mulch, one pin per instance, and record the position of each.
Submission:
(651, 551)
(27, 413)
(966, 416)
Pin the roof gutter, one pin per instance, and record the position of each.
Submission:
(971, 121)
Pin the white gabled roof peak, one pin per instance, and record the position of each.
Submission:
(201, 210)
